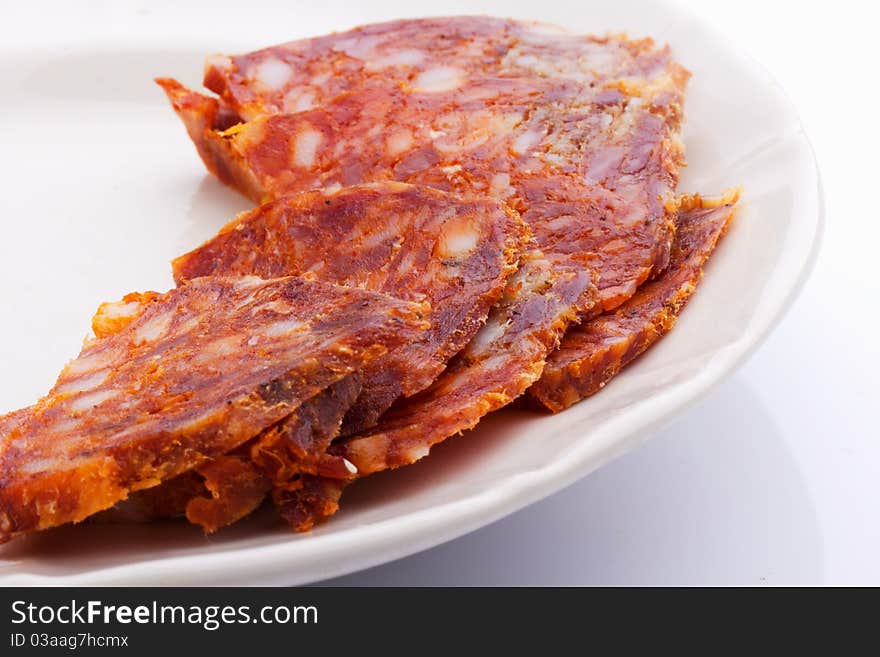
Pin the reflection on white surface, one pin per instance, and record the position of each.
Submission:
(715, 498)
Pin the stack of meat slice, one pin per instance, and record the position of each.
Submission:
(517, 181)
(195, 373)
(154, 414)
(415, 243)
(580, 135)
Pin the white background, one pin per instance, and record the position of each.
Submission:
(775, 477)
(772, 479)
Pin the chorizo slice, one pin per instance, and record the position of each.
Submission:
(591, 171)
(238, 482)
(592, 354)
(204, 368)
(167, 500)
(428, 53)
(281, 458)
(308, 500)
(589, 161)
(499, 106)
(505, 357)
(589, 356)
(230, 486)
(408, 241)
(412, 242)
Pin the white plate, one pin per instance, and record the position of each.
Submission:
(103, 188)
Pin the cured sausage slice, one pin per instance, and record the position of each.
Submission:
(300, 443)
(239, 482)
(467, 140)
(590, 355)
(230, 486)
(593, 353)
(429, 53)
(591, 171)
(295, 457)
(201, 370)
(496, 367)
(506, 356)
(458, 102)
(411, 242)
(589, 160)
(236, 488)
(113, 316)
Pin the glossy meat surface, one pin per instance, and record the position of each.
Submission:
(411, 242)
(201, 370)
(592, 354)
(591, 171)
(431, 54)
(506, 357)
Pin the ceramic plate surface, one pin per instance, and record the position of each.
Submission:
(103, 188)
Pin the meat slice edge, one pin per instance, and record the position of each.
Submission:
(200, 371)
(592, 354)
(431, 54)
(231, 486)
(408, 241)
(505, 357)
(591, 172)
(587, 207)
(239, 482)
